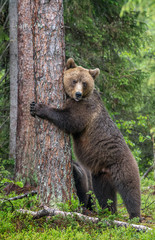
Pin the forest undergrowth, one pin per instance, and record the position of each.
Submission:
(14, 225)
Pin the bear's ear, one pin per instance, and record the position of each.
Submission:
(70, 63)
(94, 72)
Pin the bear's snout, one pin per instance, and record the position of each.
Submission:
(78, 95)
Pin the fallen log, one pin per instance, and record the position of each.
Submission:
(53, 212)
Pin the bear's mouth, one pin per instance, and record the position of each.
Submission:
(78, 98)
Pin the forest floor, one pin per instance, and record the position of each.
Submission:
(15, 225)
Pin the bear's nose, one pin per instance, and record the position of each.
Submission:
(78, 94)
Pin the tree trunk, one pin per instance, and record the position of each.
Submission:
(53, 146)
(42, 149)
(13, 76)
(25, 159)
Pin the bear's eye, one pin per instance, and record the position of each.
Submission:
(74, 81)
(84, 84)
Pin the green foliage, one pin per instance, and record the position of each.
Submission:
(95, 204)
(6, 167)
(14, 225)
(70, 206)
(3, 35)
(8, 207)
(142, 6)
(148, 197)
(146, 13)
(6, 180)
(4, 116)
(138, 129)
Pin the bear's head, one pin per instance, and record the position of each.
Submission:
(78, 81)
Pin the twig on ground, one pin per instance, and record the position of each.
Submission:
(19, 197)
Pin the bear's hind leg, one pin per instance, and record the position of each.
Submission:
(131, 198)
(127, 183)
(83, 184)
(105, 190)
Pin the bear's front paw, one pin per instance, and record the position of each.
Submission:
(33, 109)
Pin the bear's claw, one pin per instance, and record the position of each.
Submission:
(32, 109)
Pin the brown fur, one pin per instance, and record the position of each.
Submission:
(83, 184)
(98, 143)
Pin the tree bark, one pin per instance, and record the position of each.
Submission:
(53, 146)
(13, 76)
(25, 155)
(42, 149)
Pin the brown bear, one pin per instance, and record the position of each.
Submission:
(83, 184)
(98, 143)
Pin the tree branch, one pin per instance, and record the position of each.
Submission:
(147, 172)
(2, 78)
(4, 122)
(53, 212)
(19, 197)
